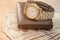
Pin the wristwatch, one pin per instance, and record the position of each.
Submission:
(37, 10)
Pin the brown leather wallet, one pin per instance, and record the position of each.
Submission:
(26, 23)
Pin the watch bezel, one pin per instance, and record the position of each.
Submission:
(31, 4)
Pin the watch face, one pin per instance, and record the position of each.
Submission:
(32, 11)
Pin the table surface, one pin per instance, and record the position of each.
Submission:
(9, 5)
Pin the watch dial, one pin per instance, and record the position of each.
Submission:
(31, 12)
